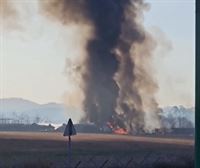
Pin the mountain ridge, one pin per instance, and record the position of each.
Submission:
(23, 108)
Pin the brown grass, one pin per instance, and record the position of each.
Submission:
(50, 149)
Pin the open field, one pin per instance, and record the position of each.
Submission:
(18, 149)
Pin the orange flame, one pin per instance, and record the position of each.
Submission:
(118, 130)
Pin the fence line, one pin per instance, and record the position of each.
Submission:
(148, 160)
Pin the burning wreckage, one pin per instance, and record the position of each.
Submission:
(92, 128)
(108, 129)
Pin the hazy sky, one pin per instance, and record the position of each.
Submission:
(33, 52)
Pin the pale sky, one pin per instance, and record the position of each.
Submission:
(33, 53)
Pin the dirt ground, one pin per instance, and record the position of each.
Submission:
(18, 149)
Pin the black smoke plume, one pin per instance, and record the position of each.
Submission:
(115, 82)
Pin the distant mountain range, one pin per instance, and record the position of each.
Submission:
(28, 111)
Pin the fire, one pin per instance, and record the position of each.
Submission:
(120, 131)
(117, 130)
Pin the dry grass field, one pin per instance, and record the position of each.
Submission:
(18, 149)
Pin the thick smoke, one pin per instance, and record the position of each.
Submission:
(8, 14)
(117, 80)
(6, 9)
(101, 89)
